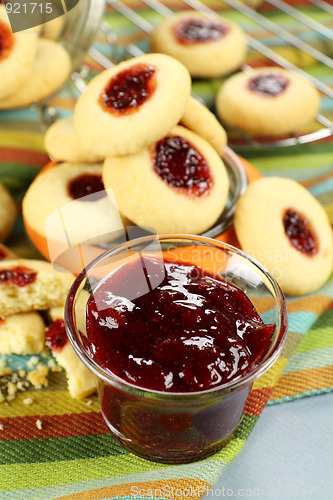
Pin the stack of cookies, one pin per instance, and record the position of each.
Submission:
(156, 150)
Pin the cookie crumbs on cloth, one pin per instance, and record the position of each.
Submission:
(21, 381)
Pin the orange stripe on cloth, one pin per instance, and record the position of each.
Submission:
(257, 400)
(303, 381)
(55, 426)
(17, 155)
(191, 489)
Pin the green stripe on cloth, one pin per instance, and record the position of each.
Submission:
(50, 450)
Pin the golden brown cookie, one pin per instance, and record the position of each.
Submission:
(27, 285)
(62, 144)
(56, 206)
(208, 46)
(8, 213)
(283, 226)
(17, 52)
(177, 185)
(50, 69)
(203, 122)
(131, 105)
(22, 333)
(267, 101)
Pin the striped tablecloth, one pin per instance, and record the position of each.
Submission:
(72, 455)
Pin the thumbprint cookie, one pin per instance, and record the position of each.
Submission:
(267, 102)
(284, 227)
(178, 184)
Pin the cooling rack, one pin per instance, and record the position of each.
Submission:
(319, 49)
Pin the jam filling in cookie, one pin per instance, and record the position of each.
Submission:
(191, 31)
(6, 40)
(87, 184)
(269, 84)
(299, 232)
(193, 331)
(56, 336)
(18, 276)
(181, 165)
(129, 89)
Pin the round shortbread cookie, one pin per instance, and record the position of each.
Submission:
(57, 196)
(203, 122)
(267, 101)
(22, 333)
(8, 213)
(6, 253)
(29, 285)
(283, 226)
(177, 185)
(62, 144)
(131, 105)
(50, 69)
(17, 52)
(208, 46)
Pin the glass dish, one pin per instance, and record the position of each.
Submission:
(171, 427)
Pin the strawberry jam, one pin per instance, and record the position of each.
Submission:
(269, 84)
(181, 165)
(19, 276)
(129, 89)
(299, 232)
(6, 40)
(56, 336)
(86, 184)
(191, 31)
(173, 327)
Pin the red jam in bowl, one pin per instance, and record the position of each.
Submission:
(172, 327)
(129, 89)
(269, 84)
(191, 31)
(19, 276)
(6, 40)
(181, 165)
(84, 185)
(299, 232)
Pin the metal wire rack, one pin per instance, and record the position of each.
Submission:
(238, 140)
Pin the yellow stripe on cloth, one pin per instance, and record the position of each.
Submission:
(270, 378)
(179, 489)
(303, 381)
(32, 141)
(47, 403)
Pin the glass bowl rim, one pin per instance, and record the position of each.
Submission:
(239, 383)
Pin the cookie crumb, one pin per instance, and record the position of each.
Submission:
(1, 427)
(28, 401)
(38, 377)
(5, 371)
(89, 402)
(39, 424)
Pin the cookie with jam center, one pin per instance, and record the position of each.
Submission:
(67, 206)
(267, 101)
(278, 222)
(208, 46)
(178, 184)
(131, 105)
(17, 52)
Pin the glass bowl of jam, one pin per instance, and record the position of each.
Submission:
(176, 328)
